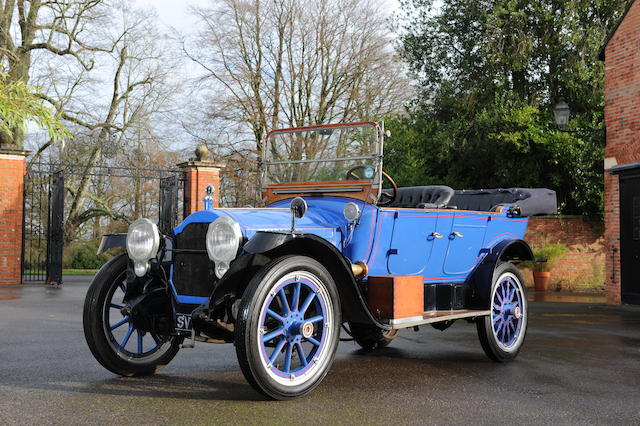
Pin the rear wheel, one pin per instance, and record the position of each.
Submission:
(287, 330)
(370, 337)
(113, 338)
(502, 332)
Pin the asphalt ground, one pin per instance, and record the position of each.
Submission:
(580, 365)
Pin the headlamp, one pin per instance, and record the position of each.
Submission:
(223, 242)
(143, 242)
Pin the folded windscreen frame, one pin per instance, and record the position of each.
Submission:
(317, 155)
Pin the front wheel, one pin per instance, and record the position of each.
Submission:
(502, 332)
(112, 337)
(288, 327)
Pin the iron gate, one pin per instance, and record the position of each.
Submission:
(44, 210)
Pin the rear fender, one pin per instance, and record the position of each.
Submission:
(482, 278)
(266, 246)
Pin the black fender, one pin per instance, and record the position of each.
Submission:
(265, 246)
(110, 241)
(482, 278)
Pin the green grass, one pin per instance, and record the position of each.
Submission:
(79, 271)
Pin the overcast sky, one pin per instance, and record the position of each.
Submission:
(174, 13)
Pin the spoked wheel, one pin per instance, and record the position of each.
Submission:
(113, 338)
(288, 327)
(371, 337)
(502, 333)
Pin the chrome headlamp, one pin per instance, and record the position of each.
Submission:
(143, 242)
(223, 242)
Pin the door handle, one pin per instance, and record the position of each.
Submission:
(457, 234)
(436, 235)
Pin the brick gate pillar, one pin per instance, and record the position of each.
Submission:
(200, 173)
(12, 172)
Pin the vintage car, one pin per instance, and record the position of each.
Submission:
(338, 246)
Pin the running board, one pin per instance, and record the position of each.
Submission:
(431, 317)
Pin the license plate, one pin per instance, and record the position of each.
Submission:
(183, 322)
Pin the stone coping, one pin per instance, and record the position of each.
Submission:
(4, 150)
(196, 163)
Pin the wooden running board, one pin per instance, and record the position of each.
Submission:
(430, 317)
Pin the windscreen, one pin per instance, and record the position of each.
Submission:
(321, 154)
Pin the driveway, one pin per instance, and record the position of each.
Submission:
(580, 364)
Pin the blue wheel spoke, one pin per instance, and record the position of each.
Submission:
(314, 341)
(127, 336)
(272, 335)
(287, 359)
(139, 341)
(315, 319)
(295, 301)
(277, 350)
(497, 307)
(307, 302)
(275, 315)
(283, 300)
(301, 355)
(116, 306)
(119, 323)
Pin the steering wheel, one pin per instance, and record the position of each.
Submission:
(386, 198)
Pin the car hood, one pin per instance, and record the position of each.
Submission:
(327, 223)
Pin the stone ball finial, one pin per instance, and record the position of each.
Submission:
(202, 152)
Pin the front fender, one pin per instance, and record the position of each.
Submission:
(482, 278)
(274, 244)
(110, 241)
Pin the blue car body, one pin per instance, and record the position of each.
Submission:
(389, 240)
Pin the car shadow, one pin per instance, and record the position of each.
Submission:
(225, 388)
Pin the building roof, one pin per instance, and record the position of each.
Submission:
(601, 56)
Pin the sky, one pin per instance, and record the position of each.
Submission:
(175, 14)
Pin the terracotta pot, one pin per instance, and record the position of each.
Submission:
(541, 280)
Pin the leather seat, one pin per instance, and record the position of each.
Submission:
(423, 197)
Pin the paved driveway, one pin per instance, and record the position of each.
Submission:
(580, 364)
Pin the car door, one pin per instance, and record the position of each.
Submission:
(465, 239)
(411, 242)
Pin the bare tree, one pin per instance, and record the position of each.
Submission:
(57, 28)
(111, 115)
(284, 63)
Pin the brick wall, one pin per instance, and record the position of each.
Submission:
(622, 118)
(199, 174)
(582, 269)
(12, 171)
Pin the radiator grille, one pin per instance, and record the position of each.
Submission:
(193, 273)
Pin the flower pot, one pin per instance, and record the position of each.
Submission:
(541, 280)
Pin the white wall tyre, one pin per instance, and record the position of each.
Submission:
(502, 333)
(288, 327)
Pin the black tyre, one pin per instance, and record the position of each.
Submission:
(370, 337)
(288, 327)
(113, 339)
(502, 332)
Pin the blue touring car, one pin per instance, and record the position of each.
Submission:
(338, 245)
